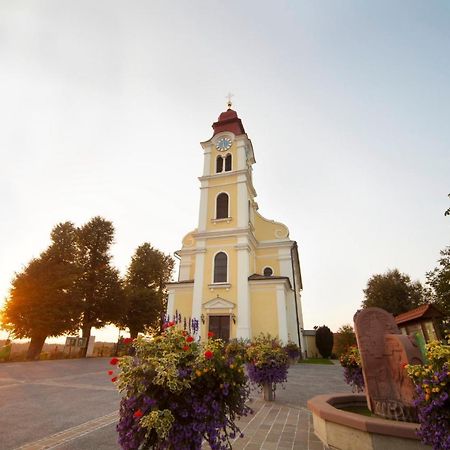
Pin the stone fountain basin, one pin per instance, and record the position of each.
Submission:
(342, 430)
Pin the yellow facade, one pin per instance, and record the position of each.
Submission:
(239, 272)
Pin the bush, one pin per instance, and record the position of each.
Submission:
(324, 341)
(432, 382)
(344, 339)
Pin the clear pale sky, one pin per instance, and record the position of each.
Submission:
(103, 105)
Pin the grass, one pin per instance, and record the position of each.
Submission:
(316, 361)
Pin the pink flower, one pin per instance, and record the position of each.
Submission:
(114, 361)
(209, 354)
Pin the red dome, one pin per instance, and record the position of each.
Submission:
(228, 121)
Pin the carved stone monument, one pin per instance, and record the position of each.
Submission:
(384, 354)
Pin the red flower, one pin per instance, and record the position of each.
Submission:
(114, 361)
(171, 324)
(184, 333)
(138, 413)
(110, 372)
(189, 339)
(209, 354)
(404, 365)
(210, 334)
(186, 348)
(114, 379)
(128, 340)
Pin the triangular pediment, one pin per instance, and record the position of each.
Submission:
(218, 303)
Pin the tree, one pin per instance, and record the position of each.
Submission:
(439, 282)
(43, 301)
(99, 287)
(394, 292)
(324, 341)
(145, 294)
(344, 339)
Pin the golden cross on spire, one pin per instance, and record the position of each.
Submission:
(229, 99)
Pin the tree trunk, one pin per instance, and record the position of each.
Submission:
(133, 333)
(86, 333)
(35, 348)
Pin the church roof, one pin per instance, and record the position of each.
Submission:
(228, 121)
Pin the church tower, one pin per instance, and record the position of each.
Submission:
(239, 272)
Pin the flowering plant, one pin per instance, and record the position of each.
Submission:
(351, 362)
(267, 361)
(432, 383)
(237, 348)
(178, 392)
(292, 350)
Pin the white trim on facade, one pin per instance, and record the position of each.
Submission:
(243, 292)
(198, 281)
(281, 310)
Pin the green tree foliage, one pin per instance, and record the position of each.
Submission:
(344, 339)
(43, 299)
(439, 281)
(394, 292)
(99, 287)
(145, 293)
(324, 341)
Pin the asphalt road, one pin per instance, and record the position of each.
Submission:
(74, 398)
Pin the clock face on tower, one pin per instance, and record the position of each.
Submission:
(223, 144)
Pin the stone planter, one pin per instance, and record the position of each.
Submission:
(268, 392)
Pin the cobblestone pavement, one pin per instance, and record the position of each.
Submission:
(71, 405)
(286, 423)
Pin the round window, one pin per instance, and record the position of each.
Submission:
(268, 272)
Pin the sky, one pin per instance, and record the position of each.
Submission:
(103, 105)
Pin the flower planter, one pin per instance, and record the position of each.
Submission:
(268, 392)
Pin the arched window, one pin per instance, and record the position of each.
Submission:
(219, 164)
(268, 272)
(228, 163)
(220, 268)
(222, 206)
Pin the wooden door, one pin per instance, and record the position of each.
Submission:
(220, 326)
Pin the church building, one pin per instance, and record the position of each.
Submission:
(239, 272)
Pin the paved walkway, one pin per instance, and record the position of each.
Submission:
(72, 405)
(286, 423)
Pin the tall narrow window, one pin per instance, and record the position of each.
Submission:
(219, 164)
(222, 206)
(228, 163)
(220, 268)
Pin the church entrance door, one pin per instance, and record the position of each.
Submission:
(220, 326)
